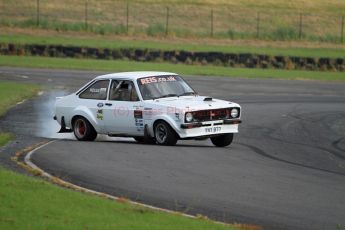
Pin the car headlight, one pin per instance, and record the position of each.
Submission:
(234, 113)
(189, 117)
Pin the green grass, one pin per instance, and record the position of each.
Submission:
(4, 138)
(28, 203)
(166, 45)
(117, 66)
(11, 93)
(321, 19)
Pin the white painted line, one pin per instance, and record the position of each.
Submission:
(28, 161)
(21, 102)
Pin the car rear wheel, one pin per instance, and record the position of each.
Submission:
(222, 140)
(164, 134)
(83, 130)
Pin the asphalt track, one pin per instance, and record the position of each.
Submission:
(285, 169)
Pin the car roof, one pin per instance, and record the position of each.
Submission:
(134, 75)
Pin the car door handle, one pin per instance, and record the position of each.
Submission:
(108, 104)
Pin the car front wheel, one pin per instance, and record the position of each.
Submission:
(83, 130)
(164, 134)
(222, 140)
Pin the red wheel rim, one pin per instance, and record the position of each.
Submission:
(80, 128)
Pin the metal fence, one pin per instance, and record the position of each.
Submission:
(182, 20)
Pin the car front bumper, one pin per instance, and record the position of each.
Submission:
(209, 128)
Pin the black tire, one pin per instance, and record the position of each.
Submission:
(83, 130)
(222, 140)
(164, 134)
(139, 139)
(145, 140)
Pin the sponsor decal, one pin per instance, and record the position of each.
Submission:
(148, 112)
(139, 124)
(149, 80)
(177, 116)
(139, 121)
(95, 90)
(99, 114)
(138, 114)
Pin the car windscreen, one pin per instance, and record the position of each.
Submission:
(163, 86)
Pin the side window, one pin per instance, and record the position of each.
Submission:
(123, 91)
(97, 91)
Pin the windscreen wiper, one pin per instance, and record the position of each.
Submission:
(187, 93)
(169, 95)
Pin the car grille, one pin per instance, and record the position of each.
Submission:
(211, 115)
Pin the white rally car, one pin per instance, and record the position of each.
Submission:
(151, 107)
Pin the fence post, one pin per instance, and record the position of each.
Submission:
(38, 13)
(258, 25)
(300, 25)
(211, 22)
(342, 28)
(167, 23)
(86, 14)
(127, 17)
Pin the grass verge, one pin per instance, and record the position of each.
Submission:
(11, 93)
(101, 42)
(4, 138)
(28, 203)
(117, 66)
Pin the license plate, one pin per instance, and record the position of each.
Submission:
(215, 129)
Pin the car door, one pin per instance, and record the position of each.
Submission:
(94, 97)
(122, 110)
